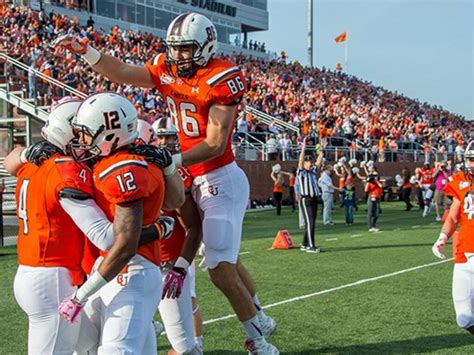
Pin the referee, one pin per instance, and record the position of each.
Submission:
(306, 176)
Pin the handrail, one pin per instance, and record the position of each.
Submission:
(43, 76)
(269, 119)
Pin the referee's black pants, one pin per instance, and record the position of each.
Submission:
(309, 206)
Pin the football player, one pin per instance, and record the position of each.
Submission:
(426, 178)
(202, 94)
(461, 189)
(121, 293)
(179, 306)
(49, 265)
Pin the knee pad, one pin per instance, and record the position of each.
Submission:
(222, 241)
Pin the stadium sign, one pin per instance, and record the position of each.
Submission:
(212, 5)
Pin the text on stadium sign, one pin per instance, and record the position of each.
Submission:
(211, 5)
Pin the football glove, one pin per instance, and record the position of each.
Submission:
(439, 245)
(70, 308)
(39, 152)
(158, 156)
(174, 281)
(78, 46)
(165, 225)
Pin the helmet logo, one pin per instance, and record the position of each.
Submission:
(112, 120)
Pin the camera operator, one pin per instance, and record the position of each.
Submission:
(373, 187)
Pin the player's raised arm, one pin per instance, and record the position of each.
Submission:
(111, 67)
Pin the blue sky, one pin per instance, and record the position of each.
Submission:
(421, 48)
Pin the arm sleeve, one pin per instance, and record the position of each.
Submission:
(91, 220)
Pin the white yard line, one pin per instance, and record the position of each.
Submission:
(331, 239)
(352, 284)
(356, 235)
(244, 252)
(415, 226)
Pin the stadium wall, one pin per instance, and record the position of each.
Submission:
(261, 184)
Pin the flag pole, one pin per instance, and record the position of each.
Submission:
(345, 52)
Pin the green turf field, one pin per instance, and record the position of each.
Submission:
(410, 311)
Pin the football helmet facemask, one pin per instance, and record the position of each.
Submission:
(196, 32)
(166, 135)
(469, 159)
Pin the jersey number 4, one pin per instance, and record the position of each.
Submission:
(22, 213)
(189, 124)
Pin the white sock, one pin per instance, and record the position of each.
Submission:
(252, 328)
(256, 302)
(198, 341)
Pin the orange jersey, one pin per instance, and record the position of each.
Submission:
(171, 248)
(123, 178)
(189, 100)
(427, 176)
(277, 188)
(374, 191)
(187, 179)
(292, 182)
(461, 188)
(47, 235)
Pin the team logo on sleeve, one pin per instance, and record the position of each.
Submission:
(166, 79)
(464, 184)
(213, 190)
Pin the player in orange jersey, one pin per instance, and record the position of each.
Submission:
(179, 306)
(461, 189)
(121, 293)
(202, 94)
(50, 241)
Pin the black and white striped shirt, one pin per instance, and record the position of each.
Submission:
(308, 182)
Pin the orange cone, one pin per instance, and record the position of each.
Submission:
(283, 240)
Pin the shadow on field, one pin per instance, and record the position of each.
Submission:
(418, 345)
(363, 247)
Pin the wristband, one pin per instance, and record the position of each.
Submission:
(182, 263)
(23, 158)
(92, 56)
(443, 235)
(91, 286)
(170, 169)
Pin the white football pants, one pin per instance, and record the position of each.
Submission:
(222, 195)
(38, 291)
(463, 292)
(119, 316)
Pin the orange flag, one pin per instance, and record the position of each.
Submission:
(341, 38)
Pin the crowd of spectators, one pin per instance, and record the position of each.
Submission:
(320, 102)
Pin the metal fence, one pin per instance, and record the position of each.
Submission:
(8, 220)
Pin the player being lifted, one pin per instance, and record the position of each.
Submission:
(202, 94)
(461, 189)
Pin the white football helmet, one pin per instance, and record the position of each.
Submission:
(469, 158)
(110, 122)
(187, 30)
(58, 129)
(146, 133)
(165, 129)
